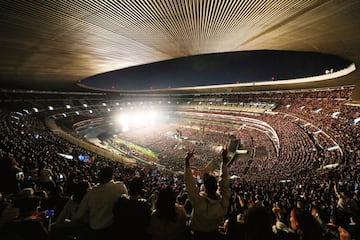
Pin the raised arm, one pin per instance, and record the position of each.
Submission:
(188, 156)
(224, 181)
(190, 182)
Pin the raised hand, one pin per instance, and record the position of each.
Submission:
(224, 152)
(189, 155)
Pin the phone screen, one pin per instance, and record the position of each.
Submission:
(49, 213)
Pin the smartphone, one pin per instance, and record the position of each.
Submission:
(20, 176)
(49, 213)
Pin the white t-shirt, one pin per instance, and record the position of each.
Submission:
(96, 208)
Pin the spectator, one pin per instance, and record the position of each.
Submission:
(210, 206)
(281, 228)
(57, 201)
(132, 213)
(73, 203)
(258, 224)
(29, 223)
(96, 207)
(10, 175)
(344, 235)
(305, 225)
(169, 216)
(8, 212)
(45, 175)
(64, 226)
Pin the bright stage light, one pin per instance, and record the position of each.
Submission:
(137, 119)
(123, 121)
(153, 116)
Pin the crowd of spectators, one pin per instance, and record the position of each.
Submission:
(46, 189)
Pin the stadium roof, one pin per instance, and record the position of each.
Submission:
(57, 45)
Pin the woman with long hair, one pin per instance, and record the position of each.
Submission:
(169, 216)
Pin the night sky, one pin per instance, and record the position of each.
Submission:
(218, 68)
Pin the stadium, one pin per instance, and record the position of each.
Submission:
(138, 85)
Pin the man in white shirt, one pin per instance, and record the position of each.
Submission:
(96, 208)
(211, 203)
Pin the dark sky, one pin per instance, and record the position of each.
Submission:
(218, 68)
